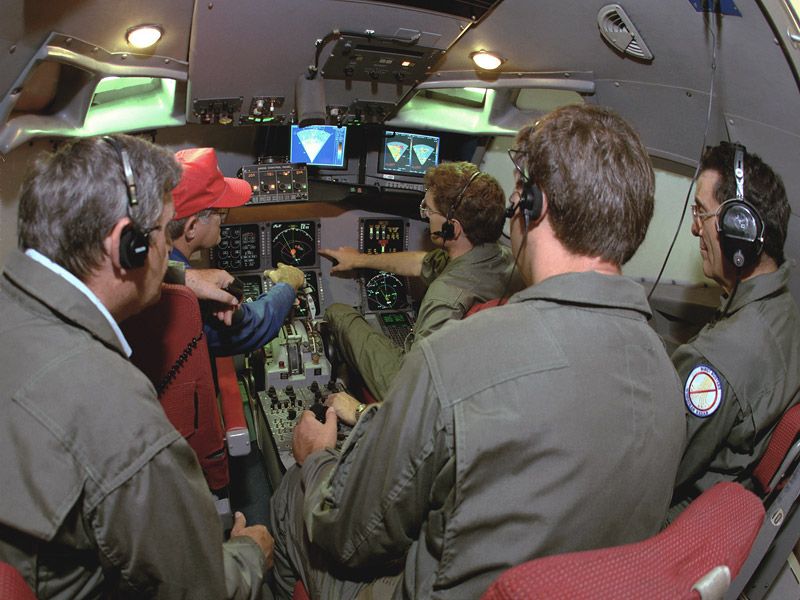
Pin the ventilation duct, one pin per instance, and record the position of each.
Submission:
(619, 31)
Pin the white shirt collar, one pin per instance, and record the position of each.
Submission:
(69, 277)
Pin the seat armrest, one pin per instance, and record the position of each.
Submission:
(237, 435)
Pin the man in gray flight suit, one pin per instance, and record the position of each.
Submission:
(102, 497)
(465, 209)
(742, 371)
(547, 425)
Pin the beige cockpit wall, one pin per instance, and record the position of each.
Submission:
(238, 62)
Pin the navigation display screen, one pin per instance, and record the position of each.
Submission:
(319, 145)
(405, 153)
(294, 243)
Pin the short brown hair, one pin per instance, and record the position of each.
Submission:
(597, 176)
(482, 203)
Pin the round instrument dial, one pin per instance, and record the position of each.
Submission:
(385, 291)
(293, 246)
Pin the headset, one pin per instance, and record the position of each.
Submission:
(740, 226)
(530, 199)
(530, 202)
(133, 241)
(448, 231)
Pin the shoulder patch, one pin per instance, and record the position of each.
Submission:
(702, 392)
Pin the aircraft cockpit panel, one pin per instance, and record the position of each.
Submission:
(294, 243)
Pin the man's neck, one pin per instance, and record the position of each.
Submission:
(550, 258)
(575, 264)
(184, 247)
(766, 264)
(119, 297)
(458, 247)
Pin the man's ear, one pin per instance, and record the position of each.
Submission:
(190, 228)
(112, 241)
(458, 230)
(545, 207)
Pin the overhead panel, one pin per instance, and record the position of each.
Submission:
(380, 61)
(338, 61)
(469, 9)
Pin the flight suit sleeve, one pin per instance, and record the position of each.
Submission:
(258, 323)
(442, 303)
(367, 505)
(159, 530)
(433, 264)
(727, 424)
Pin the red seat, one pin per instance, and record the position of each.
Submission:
(300, 592)
(484, 305)
(237, 436)
(771, 467)
(778, 476)
(12, 584)
(704, 548)
(169, 347)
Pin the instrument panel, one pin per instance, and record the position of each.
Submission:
(257, 246)
(311, 295)
(248, 249)
(381, 236)
(241, 248)
(276, 183)
(294, 243)
(385, 291)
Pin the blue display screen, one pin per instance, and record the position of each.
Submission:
(319, 145)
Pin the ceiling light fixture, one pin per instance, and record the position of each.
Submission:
(486, 60)
(143, 36)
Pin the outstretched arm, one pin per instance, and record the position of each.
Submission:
(401, 263)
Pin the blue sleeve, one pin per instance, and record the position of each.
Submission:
(260, 322)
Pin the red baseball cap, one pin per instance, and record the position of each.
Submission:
(203, 186)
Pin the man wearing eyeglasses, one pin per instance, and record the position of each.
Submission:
(202, 200)
(742, 371)
(549, 424)
(465, 210)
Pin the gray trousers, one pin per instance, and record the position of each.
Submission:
(297, 558)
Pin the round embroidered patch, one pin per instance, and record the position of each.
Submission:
(703, 391)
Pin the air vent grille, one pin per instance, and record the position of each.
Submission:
(619, 31)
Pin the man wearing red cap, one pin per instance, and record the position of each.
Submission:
(201, 200)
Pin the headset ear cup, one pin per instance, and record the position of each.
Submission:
(448, 230)
(133, 247)
(741, 232)
(531, 202)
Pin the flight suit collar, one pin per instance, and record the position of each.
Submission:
(477, 254)
(591, 289)
(759, 287)
(60, 297)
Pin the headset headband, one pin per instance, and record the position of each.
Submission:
(738, 171)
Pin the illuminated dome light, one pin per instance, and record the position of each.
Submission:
(143, 36)
(487, 61)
